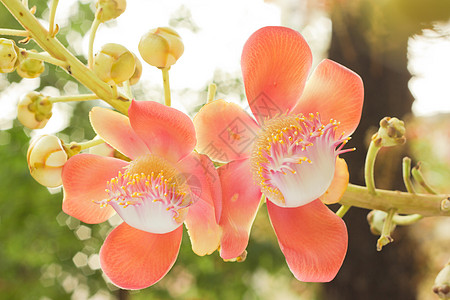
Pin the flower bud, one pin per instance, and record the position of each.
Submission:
(161, 47)
(34, 110)
(9, 54)
(442, 283)
(390, 133)
(109, 9)
(376, 219)
(46, 157)
(137, 72)
(114, 64)
(103, 149)
(29, 67)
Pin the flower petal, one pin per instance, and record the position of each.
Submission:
(225, 132)
(275, 64)
(135, 259)
(312, 238)
(166, 131)
(336, 93)
(240, 198)
(115, 129)
(203, 229)
(339, 184)
(84, 179)
(203, 180)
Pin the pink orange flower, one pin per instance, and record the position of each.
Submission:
(288, 154)
(164, 185)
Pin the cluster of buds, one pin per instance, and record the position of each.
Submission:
(109, 9)
(390, 133)
(9, 56)
(161, 47)
(34, 110)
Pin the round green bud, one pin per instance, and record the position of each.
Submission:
(29, 67)
(9, 54)
(114, 64)
(109, 9)
(34, 110)
(161, 47)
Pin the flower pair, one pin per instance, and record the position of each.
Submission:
(288, 154)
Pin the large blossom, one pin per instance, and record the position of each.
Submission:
(288, 154)
(164, 185)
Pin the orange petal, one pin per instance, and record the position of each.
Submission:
(336, 93)
(240, 199)
(225, 132)
(135, 259)
(203, 180)
(275, 64)
(84, 179)
(166, 131)
(312, 238)
(339, 184)
(115, 129)
(203, 229)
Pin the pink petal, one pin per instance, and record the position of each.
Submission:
(203, 180)
(336, 93)
(135, 259)
(312, 238)
(84, 179)
(115, 129)
(241, 198)
(166, 131)
(339, 184)
(275, 64)
(225, 132)
(203, 229)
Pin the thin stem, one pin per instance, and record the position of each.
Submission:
(405, 203)
(44, 57)
(25, 3)
(52, 30)
(406, 220)
(343, 210)
(369, 167)
(406, 171)
(91, 143)
(75, 67)
(417, 174)
(212, 88)
(14, 32)
(385, 237)
(94, 28)
(70, 98)
(165, 74)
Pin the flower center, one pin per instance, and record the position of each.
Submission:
(294, 157)
(151, 195)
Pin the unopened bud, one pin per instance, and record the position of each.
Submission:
(103, 149)
(109, 9)
(442, 283)
(137, 71)
(114, 63)
(30, 68)
(376, 219)
(34, 110)
(390, 133)
(161, 47)
(9, 54)
(46, 157)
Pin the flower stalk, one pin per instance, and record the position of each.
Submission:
(417, 175)
(165, 75)
(13, 32)
(71, 98)
(53, 30)
(212, 88)
(385, 237)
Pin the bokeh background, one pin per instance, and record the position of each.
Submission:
(401, 49)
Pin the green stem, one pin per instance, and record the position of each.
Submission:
(165, 74)
(406, 171)
(417, 174)
(91, 143)
(75, 67)
(369, 167)
(45, 57)
(405, 203)
(94, 28)
(343, 210)
(406, 220)
(212, 88)
(52, 28)
(70, 98)
(13, 32)
(385, 237)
